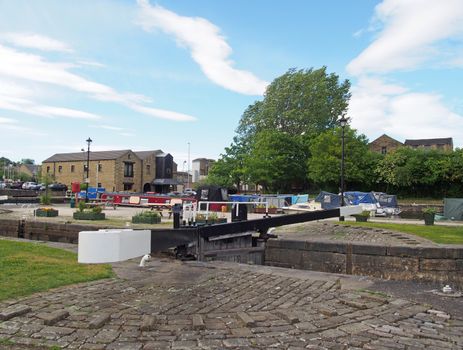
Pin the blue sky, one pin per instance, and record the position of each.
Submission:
(158, 75)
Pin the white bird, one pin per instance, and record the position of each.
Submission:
(143, 260)
(447, 289)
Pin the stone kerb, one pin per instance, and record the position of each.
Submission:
(439, 264)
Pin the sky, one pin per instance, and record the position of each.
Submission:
(177, 75)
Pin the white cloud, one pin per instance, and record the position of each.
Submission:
(377, 107)
(20, 66)
(411, 33)
(107, 127)
(207, 46)
(35, 41)
(9, 124)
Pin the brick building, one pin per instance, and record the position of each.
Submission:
(200, 167)
(445, 144)
(384, 144)
(120, 170)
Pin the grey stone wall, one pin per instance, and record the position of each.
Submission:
(437, 264)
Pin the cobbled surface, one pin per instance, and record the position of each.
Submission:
(174, 305)
(329, 231)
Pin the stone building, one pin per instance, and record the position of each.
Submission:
(384, 144)
(200, 167)
(120, 170)
(445, 144)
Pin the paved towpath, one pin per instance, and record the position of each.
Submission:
(190, 305)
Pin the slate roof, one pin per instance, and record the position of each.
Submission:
(98, 155)
(423, 142)
(144, 154)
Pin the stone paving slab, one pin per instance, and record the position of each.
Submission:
(175, 305)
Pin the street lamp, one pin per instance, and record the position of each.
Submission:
(89, 141)
(343, 122)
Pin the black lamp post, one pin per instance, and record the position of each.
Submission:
(343, 122)
(89, 141)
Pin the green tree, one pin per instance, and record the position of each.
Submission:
(324, 165)
(273, 135)
(228, 171)
(300, 102)
(27, 161)
(274, 161)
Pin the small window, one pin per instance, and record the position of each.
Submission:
(100, 167)
(128, 187)
(99, 184)
(128, 169)
(48, 169)
(148, 169)
(73, 168)
(85, 167)
(383, 150)
(60, 168)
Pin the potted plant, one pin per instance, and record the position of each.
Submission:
(46, 212)
(428, 215)
(147, 217)
(362, 217)
(88, 213)
(261, 209)
(212, 218)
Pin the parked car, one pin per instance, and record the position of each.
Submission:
(29, 185)
(58, 187)
(16, 185)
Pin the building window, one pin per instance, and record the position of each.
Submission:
(99, 184)
(383, 150)
(100, 167)
(148, 169)
(72, 168)
(60, 168)
(85, 167)
(128, 187)
(48, 169)
(128, 169)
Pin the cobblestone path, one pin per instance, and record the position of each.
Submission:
(174, 305)
(330, 231)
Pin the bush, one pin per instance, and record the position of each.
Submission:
(429, 210)
(97, 209)
(147, 217)
(82, 205)
(45, 199)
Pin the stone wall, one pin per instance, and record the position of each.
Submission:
(43, 231)
(440, 264)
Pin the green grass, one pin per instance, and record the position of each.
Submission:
(26, 268)
(436, 233)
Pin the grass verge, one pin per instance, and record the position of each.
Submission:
(436, 233)
(27, 268)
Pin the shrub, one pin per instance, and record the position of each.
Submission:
(82, 205)
(97, 209)
(429, 210)
(45, 199)
(148, 214)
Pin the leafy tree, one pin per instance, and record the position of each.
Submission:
(272, 142)
(228, 171)
(324, 165)
(275, 161)
(27, 161)
(300, 102)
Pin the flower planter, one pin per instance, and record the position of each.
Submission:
(211, 221)
(48, 213)
(146, 219)
(360, 218)
(428, 218)
(262, 210)
(88, 216)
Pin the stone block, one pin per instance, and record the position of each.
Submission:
(98, 321)
(51, 318)
(246, 319)
(438, 265)
(385, 266)
(14, 311)
(368, 249)
(326, 247)
(323, 261)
